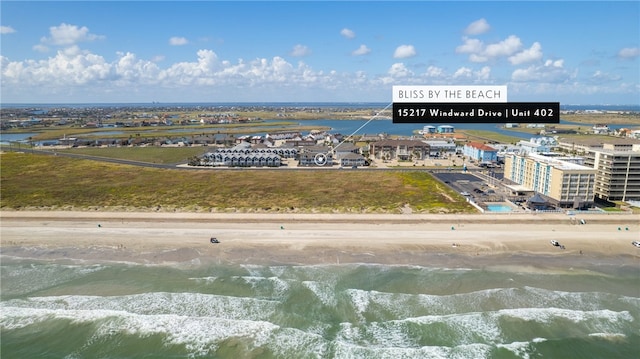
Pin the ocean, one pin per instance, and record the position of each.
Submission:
(98, 309)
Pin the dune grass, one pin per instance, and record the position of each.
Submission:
(32, 181)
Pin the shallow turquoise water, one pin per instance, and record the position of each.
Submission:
(498, 208)
(114, 310)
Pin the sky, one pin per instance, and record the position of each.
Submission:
(572, 52)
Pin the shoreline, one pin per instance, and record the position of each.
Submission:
(481, 240)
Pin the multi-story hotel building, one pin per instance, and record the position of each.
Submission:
(563, 184)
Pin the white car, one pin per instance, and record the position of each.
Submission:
(636, 243)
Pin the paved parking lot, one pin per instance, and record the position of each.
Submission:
(470, 186)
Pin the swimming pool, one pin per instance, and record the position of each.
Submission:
(499, 208)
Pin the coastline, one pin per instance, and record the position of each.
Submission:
(481, 240)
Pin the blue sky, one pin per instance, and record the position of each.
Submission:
(216, 51)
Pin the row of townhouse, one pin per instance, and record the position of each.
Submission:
(284, 152)
(252, 159)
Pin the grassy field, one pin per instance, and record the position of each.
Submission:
(482, 136)
(608, 118)
(32, 181)
(161, 155)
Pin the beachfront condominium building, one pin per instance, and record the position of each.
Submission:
(563, 184)
(617, 171)
(617, 165)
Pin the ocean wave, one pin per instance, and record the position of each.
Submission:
(324, 311)
(20, 279)
(184, 304)
(190, 320)
(499, 327)
(402, 305)
(200, 335)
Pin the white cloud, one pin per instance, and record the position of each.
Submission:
(69, 67)
(178, 41)
(40, 48)
(76, 73)
(399, 70)
(404, 51)
(348, 33)
(479, 52)
(477, 27)
(69, 35)
(158, 58)
(505, 47)
(533, 53)
(362, 50)
(484, 73)
(478, 58)
(603, 77)
(73, 68)
(6, 30)
(433, 71)
(129, 70)
(466, 75)
(629, 53)
(552, 71)
(554, 63)
(300, 50)
(470, 46)
(463, 72)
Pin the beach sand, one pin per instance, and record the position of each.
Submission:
(292, 239)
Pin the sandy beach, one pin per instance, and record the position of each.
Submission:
(483, 239)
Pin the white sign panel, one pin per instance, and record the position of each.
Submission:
(443, 94)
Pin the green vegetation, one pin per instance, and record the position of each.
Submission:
(162, 155)
(56, 182)
(489, 136)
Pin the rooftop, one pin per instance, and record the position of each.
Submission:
(563, 165)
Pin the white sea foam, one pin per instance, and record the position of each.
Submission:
(478, 327)
(612, 337)
(407, 305)
(475, 351)
(375, 324)
(520, 349)
(323, 291)
(596, 318)
(210, 279)
(378, 335)
(360, 300)
(189, 304)
(286, 341)
(19, 279)
(199, 335)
